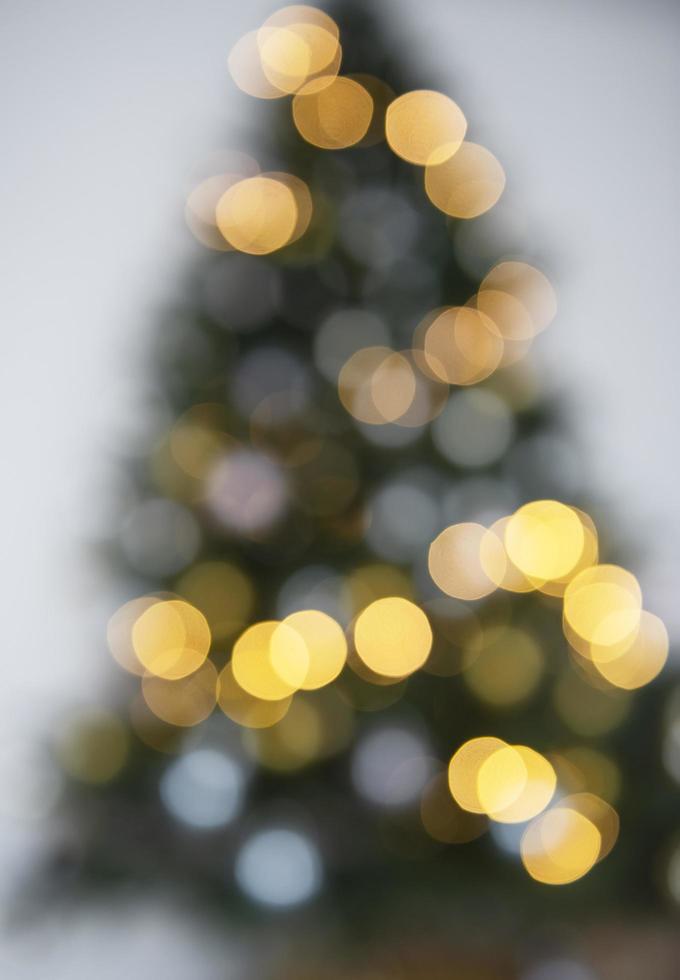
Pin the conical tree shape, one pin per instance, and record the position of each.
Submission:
(278, 484)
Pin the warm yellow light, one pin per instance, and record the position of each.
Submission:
(222, 592)
(560, 846)
(526, 284)
(505, 574)
(454, 561)
(602, 605)
(270, 660)
(467, 184)
(544, 539)
(335, 116)
(393, 637)
(185, 702)
(464, 769)
(461, 346)
(258, 215)
(601, 815)
(502, 665)
(642, 659)
(119, 633)
(382, 95)
(171, 639)
(244, 708)
(326, 646)
(376, 385)
(515, 784)
(424, 127)
(245, 67)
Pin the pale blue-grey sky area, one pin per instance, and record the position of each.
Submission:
(108, 109)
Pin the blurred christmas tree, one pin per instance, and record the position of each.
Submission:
(357, 546)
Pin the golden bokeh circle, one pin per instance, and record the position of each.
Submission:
(424, 127)
(171, 639)
(393, 637)
(467, 184)
(335, 116)
(257, 215)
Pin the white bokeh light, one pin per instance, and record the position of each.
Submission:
(279, 867)
(203, 788)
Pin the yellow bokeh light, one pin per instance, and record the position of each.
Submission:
(185, 702)
(642, 659)
(454, 561)
(528, 285)
(326, 646)
(334, 116)
(544, 539)
(464, 769)
(245, 709)
(515, 784)
(382, 95)
(376, 581)
(393, 637)
(376, 385)
(119, 633)
(258, 215)
(222, 592)
(502, 665)
(443, 819)
(247, 71)
(461, 346)
(171, 638)
(467, 184)
(603, 604)
(560, 846)
(424, 127)
(270, 660)
(601, 815)
(504, 573)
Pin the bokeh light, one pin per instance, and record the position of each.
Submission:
(171, 638)
(393, 637)
(560, 846)
(185, 702)
(425, 127)
(333, 116)
(203, 788)
(270, 660)
(455, 564)
(466, 184)
(279, 867)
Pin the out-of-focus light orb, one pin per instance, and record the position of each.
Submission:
(376, 385)
(222, 592)
(502, 665)
(455, 564)
(391, 766)
(245, 67)
(274, 376)
(443, 819)
(527, 284)
(424, 127)
(382, 95)
(203, 788)
(475, 428)
(247, 492)
(93, 746)
(160, 537)
(376, 581)
(270, 660)
(603, 604)
(342, 334)
(296, 43)
(560, 846)
(464, 767)
(241, 292)
(335, 116)
(642, 660)
(185, 702)
(467, 184)
(403, 518)
(171, 638)
(601, 815)
(199, 211)
(506, 576)
(326, 646)
(515, 784)
(544, 539)
(393, 637)
(279, 868)
(119, 633)
(244, 708)
(260, 214)
(461, 345)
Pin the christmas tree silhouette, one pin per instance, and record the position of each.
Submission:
(354, 549)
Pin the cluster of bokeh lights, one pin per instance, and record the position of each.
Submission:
(343, 644)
